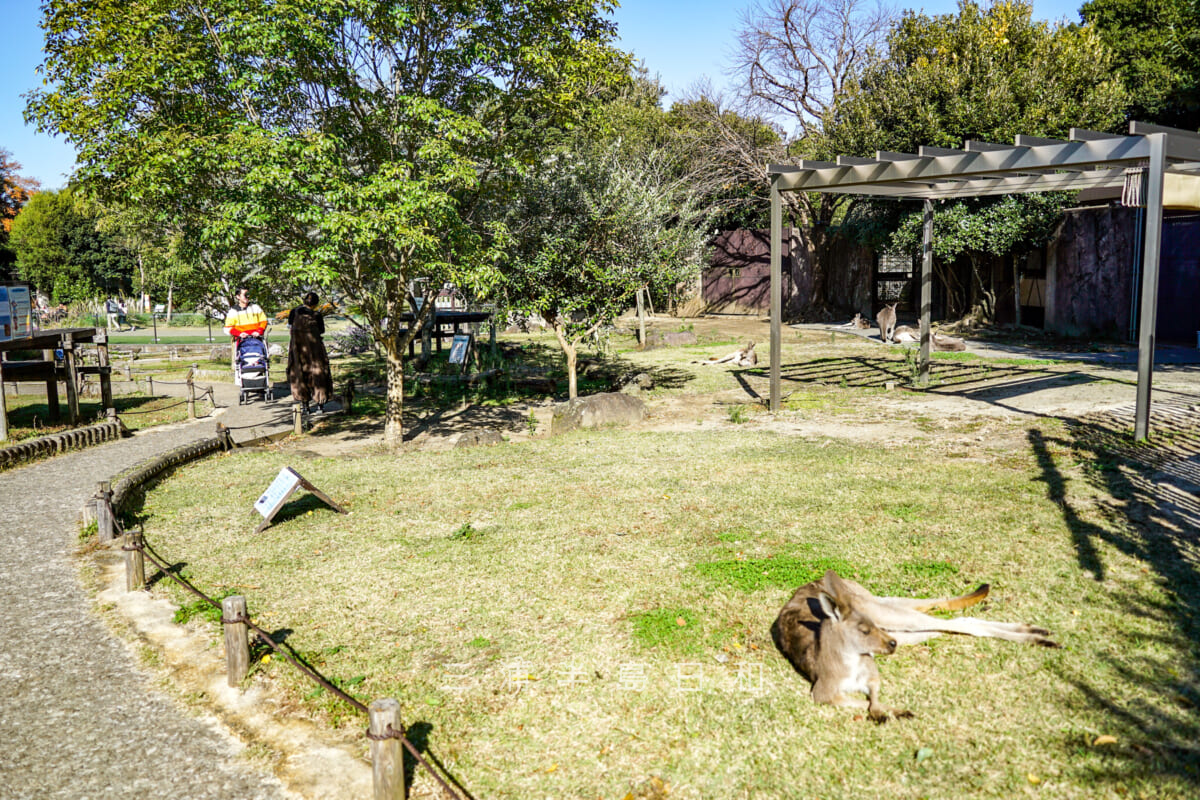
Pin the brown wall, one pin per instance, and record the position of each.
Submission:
(1090, 270)
(738, 279)
(1088, 286)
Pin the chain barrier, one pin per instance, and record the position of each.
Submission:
(154, 410)
(290, 655)
(208, 392)
(246, 427)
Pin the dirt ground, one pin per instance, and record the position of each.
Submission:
(1084, 380)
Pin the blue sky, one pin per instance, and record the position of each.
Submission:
(681, 41)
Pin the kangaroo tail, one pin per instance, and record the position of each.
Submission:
(955, 603)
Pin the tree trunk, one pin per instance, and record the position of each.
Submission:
(983, 293)
(170, 299)
(143, 298)
(393, 425)
(571, 353)
(394, 346)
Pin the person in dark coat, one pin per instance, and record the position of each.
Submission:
(308, 364)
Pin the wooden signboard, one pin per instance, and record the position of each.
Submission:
(285, 483)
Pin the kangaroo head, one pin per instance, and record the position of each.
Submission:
(845, 627)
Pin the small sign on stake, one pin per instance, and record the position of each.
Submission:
(286, 482)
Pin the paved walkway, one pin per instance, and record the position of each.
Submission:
(78, 719)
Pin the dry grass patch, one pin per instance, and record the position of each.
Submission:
(583, 616)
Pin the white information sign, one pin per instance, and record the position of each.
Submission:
(6, 325)
(459, 348)
(21, 311)
(284, 484)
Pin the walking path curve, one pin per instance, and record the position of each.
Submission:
(77, 717)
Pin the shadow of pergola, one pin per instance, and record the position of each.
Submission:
(980, 379)
(1150, 511)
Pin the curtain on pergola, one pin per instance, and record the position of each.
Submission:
(1169, 157)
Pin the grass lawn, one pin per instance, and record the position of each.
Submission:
(587, 616)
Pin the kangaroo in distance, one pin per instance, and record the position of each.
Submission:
(831, 630)
(887, 322)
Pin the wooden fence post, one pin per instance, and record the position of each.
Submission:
(297, 419)
(104, 512)
(150, 378)
(101, 341)
(237, 640)
(70, 363)
(135, 562)
(387, 754)
(191, 396)
(129, 372)
(225, 436)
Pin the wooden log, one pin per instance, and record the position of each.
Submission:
(425, 379)
(237, 640)
(387, 754)
(135, 562)
(104, 512)
(191, 396)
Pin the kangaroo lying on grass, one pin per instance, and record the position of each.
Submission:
(831, 630)
(746, 357)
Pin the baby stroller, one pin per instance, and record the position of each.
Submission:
(250, 372)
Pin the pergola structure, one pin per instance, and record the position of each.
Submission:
(1089, 160)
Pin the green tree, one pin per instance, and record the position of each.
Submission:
(15, 191)
(62, 253)
(341, 142)
(592, 226)
(1157, 54)
(988, 74)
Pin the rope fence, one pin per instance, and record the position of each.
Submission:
(385, 730)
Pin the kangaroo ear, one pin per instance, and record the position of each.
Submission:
(829, 606)
(835, 590)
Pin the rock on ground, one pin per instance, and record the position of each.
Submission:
(597, 411)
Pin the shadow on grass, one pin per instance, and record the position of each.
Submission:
(161, 575)
(419, 734)
(298, 507)
(1153, 516)
(981, 379)
(527, 370)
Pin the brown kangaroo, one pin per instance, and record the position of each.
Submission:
(831, 629)
(887, 322)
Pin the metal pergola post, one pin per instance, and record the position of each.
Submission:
(926, 292)
(776, 291)
(1149, 298)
